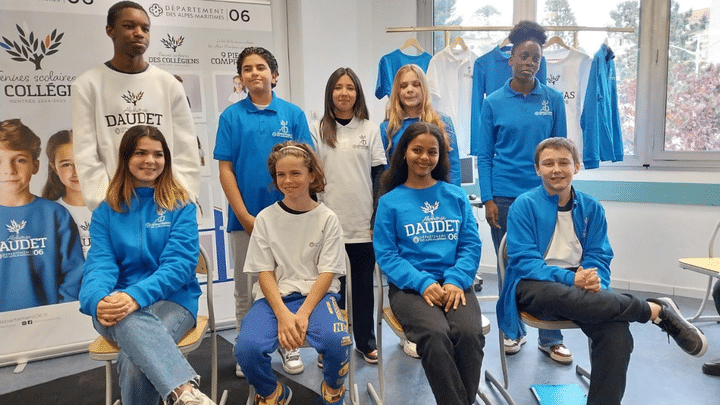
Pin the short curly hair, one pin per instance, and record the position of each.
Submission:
(527, 31)
(261, 52)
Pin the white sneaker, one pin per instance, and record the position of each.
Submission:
(239, 372)
(291, 361)
(512, 346)
(409, 348)
(194, 397)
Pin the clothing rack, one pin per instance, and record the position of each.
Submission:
(450, 28)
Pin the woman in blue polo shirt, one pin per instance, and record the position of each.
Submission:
(515, 119)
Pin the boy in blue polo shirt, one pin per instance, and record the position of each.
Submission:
(246, 133)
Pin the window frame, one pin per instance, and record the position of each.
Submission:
(651, 98)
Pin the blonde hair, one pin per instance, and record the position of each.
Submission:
(169, 194)
(395, 113)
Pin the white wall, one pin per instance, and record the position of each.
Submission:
(648, 239)
(327, 34)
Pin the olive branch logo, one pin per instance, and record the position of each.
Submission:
(430, 209)
(132, 98)
(16, 227)
(172, 43)
(32, 48)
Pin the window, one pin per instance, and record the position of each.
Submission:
(472, 13)
(614, 13)
(668, 69)
(692, 115)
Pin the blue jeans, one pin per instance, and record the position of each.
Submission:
(258, 338)
(546, 337)
(150, 364)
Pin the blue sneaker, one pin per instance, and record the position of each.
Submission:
(283, 397)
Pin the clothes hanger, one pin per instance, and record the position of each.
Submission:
(505, 43)
(459, 41)
(414, 43)
(556, 41)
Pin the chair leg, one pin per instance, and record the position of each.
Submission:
(108, 382)
(502, 388)
(582, 371)
(698, 315)
(378, 399)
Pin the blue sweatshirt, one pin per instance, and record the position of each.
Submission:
(453, 155)
(512, 126)
(426, 235)
(147, 254)
(40, 255)
(530, 227)
(600, 119)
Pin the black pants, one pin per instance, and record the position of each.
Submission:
(603, 316)
(362, 267)
(450, 344)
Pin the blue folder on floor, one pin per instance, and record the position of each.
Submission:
(563, 394)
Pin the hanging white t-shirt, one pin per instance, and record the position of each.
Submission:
(81, 215)
(349, 189)
(565, 250)
(297, 247)
(450, 78)
(568, 71)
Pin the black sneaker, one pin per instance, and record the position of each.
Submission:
(686, 335)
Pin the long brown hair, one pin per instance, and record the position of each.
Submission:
(328, 126)
(54, 187)
(169, 194)
(395, 114)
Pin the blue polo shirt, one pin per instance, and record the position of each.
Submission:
(490, 72)
(245, 136)
(512, 126)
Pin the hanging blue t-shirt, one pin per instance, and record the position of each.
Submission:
(391, 63)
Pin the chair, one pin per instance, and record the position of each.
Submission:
(385, 313)
(709, 266)
(106, 350)
(528, 320)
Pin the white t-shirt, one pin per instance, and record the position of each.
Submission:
(565, 249)
(450, 77)
(568, 71)
(297, 247)
(81, 215)
(347, 167)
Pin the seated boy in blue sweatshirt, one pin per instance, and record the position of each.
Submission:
(559, 269)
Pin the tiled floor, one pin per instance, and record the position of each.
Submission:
(660, 373)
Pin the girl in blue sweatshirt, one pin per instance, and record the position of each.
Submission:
(426, 241)
(139, 281)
